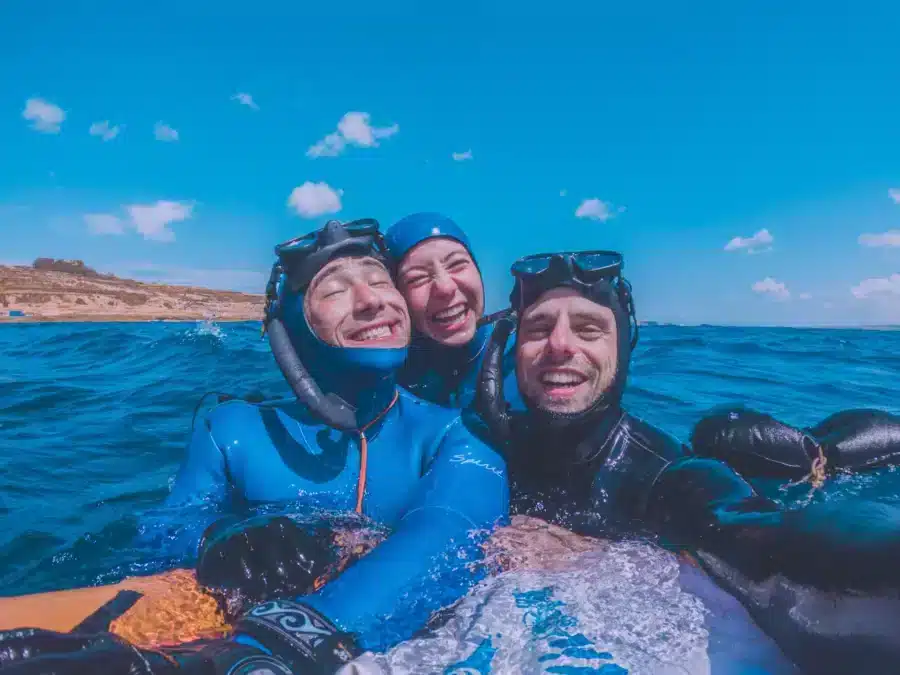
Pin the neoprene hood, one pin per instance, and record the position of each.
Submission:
(598, 276)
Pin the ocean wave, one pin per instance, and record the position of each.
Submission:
(94, 418)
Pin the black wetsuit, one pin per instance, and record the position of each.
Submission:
(600, 477)
(620, 475)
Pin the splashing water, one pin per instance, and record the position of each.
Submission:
(574, 605)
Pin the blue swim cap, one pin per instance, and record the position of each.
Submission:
(416, 228)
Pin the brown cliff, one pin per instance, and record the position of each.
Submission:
(68, 290)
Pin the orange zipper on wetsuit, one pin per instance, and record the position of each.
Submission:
(360, 491)
(364, 454)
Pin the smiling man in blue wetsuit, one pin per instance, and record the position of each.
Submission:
(439, 277)
(352, 441)
(821, 579)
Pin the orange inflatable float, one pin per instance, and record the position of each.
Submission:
(163, 609)
(172, 608)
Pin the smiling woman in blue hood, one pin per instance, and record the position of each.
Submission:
(438, 275)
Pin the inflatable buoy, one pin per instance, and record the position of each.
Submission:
(165, 609)
(757, 445)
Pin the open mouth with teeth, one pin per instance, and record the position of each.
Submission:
(378, 332)
(452, 318)
(562, 383)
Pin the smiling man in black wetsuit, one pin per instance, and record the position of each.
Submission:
(577, 458)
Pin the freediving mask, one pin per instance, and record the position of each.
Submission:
(302, 257)
(595, 274)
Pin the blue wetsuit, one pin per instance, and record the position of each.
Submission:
(427, 478)
(351, 441)
(439, 373)
(448, 375)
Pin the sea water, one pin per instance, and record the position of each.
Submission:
(94, 419)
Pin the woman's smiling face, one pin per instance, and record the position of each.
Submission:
(444, 291)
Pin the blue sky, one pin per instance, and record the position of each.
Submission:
(664, 130)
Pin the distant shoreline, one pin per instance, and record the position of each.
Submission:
(121, 319)
(67, 291)
(124, 318)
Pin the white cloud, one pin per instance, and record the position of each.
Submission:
(805, 296)
(315, 199)
(44, 116)
(595, 209)
(761, 238)
(877, 286)
(894, 193)
(150, 220)
(104, 223)
(153, 220)
(330, 146)
(770, 286)
(462, 156)
(245, 99)
(889, 238)
(164, 132)
(352, 129)
(102, 129)
(356, 129)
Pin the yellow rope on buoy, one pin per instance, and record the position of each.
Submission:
(816, 475)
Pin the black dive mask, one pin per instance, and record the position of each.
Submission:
(302, 257)
(299, 260)
(595, 274)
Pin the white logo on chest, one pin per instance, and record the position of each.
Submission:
(463, 459)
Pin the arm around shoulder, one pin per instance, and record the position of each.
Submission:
(427, 563)
(203, 473)
(200, 488)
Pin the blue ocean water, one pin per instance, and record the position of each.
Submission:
(94, 418)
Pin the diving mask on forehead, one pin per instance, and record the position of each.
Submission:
(299, 260)
(597, 275)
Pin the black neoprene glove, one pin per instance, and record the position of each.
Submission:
(248, 562)
(756, 444)
(703, 505)
(33, 651)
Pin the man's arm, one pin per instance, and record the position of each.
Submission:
(821, 580)
(702, 504)
(202, 475)
(199, 491)
(425, 564)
